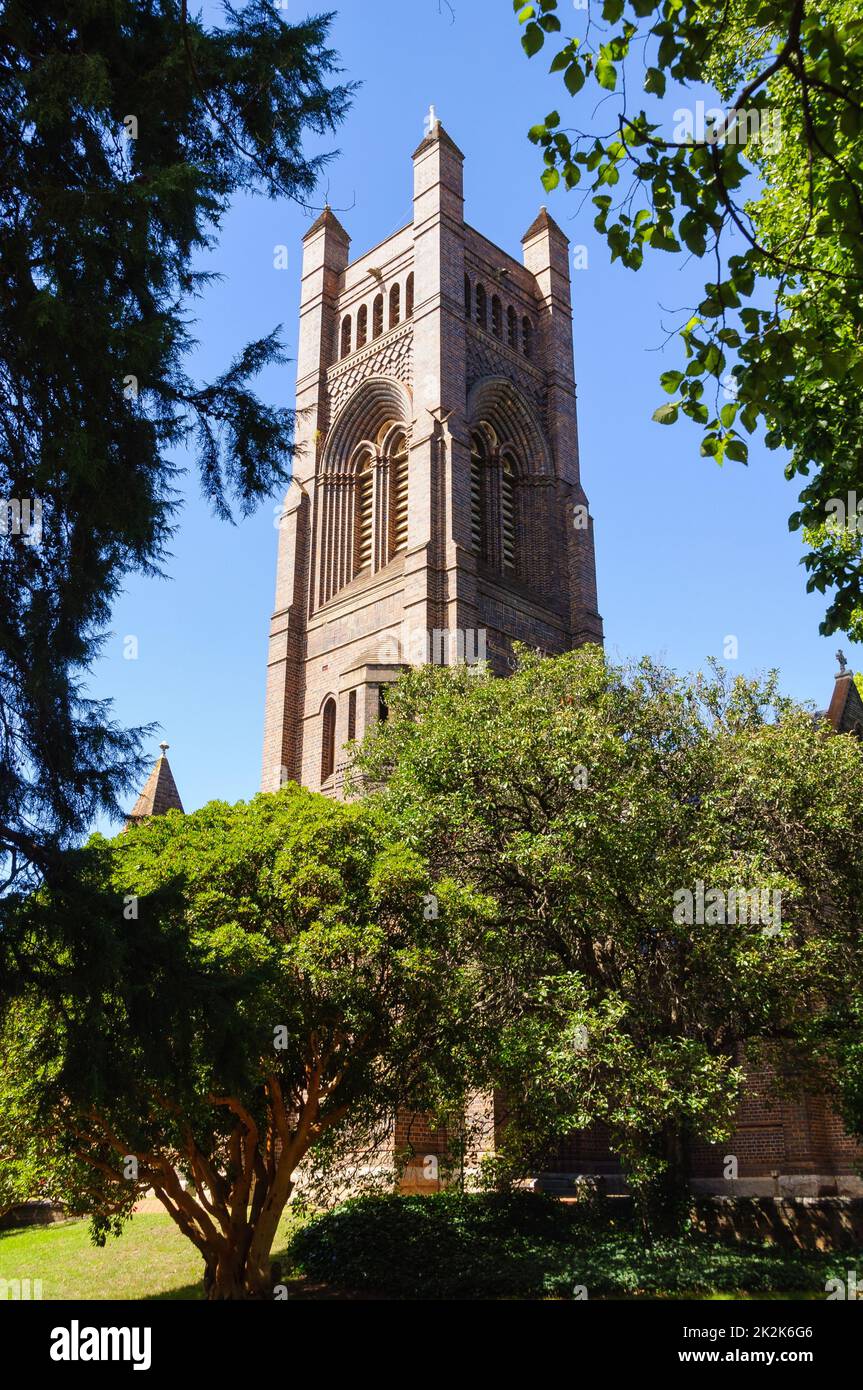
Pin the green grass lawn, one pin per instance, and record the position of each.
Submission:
(421, 1248)
(151, 1259)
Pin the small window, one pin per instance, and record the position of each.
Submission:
(352, 715)
(346, 335)
(481, 313)
(378, 316)
(328, 740)
(362, 326)
(496, 318)
(395, 305)
(512, 327)
(527, 337)
(409, 297)
(468, 298)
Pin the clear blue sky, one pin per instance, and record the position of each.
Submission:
(687, 552)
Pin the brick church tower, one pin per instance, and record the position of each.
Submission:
(436, 510)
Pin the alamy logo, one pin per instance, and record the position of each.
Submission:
(77, 1343)
(21, 516)
(715, 907)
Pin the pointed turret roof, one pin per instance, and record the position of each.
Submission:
(159, 794)
(329, 220)
(846, 708)
(544, 222)
(436, 135)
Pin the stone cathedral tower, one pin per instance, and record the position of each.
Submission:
(436, 511)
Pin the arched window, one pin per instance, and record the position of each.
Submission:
(468, 298)
(352, 715)
(399, 496)
(346, 335)
(363, 530)
(362, 326)
(527, 336)
(496, 318)
(507, 516)
(481, 315)
(409, 297)
(378, 316)
(512, 327)
(476, 486)
(395, 305)
(328, 739)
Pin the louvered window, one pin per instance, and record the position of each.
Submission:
(399, 483)
(364, 515)
(476, 497)
(507, 514)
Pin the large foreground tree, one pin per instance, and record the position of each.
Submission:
(126, 128)
(242, 985)
(766, 184)
(611, 813)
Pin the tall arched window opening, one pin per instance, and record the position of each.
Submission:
(527, 337)
(363, 533)
(476, 486)
(395, 305)
(346, 336)
(496, 317)
(378, 316)
(352, 715)
(481, 314)
(511, 327)
(507, 516)
(399, 496)
(362, 326)
(328, 740)
(468, 298)
(409, 297)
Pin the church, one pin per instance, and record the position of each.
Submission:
(437, 513)
(436, 507)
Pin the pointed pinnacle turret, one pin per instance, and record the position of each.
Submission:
(159, 793)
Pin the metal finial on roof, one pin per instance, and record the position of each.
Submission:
(431, 120)
(843, 661)
(164, 747)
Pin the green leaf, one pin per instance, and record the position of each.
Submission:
(574, 78)
(532, 39)
(606, 74)
(669, 381)
(666, 414)
(550, 179)
(654, 82)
